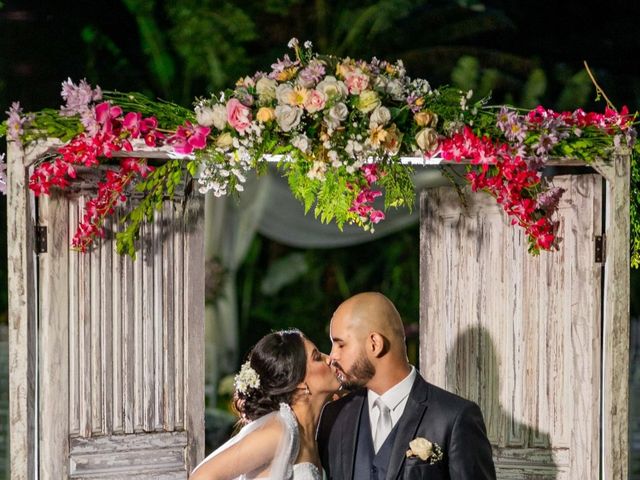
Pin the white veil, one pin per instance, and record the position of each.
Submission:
(281, 467)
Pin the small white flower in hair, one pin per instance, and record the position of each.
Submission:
(246, 379)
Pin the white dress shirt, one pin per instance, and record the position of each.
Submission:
(395, 398)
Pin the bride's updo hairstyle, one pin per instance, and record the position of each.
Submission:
(280, 362)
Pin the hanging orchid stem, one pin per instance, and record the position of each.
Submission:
(599, 89)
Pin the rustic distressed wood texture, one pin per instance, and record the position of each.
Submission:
(106, 353)
(22, 312)
(615, 384)
(520, 335)
(141, 456)
(121, 344)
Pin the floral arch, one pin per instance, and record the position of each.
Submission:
(343, 131)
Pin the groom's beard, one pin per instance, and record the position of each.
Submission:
(358, 375)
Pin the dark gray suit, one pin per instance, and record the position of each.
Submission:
(452, 422)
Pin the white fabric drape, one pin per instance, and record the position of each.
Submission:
(230, 225)
(267, 206)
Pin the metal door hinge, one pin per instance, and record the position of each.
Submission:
(41, 239)
(600, 245)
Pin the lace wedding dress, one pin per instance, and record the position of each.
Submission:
(282, 466)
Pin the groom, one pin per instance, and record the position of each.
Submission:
(399, 426)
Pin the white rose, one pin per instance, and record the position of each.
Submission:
(204, 116)
(336, 115)
(284, 93)
(288, 117)
(379, 117)
(215, 115)
(301, 142)
(219, 116)
(332, 88)
(421, 447)
(427, 139)
(395, 90)
(266, 88)
(380, 83)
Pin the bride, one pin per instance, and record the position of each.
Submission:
(280, 392)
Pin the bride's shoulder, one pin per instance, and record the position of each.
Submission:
(277, 421)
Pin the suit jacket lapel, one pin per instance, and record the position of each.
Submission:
(350, 418)
(408, 425)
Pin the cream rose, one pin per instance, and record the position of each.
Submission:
(420, 447)
(336, 115)
(266, 88)
(288, 117)
(427, 139)
(301, 142)
(368, 101)
(225, 140)
(332, 88)
(379, 117)
(283, 93)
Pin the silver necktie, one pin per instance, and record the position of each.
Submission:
(383, 426)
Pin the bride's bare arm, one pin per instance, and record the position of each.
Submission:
(253, 453)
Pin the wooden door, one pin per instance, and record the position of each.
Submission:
(520, 335)
(120, 348)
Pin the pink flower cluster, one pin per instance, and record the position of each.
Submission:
(362, 205)
(579, 118)
(510, 180)
(113, 135)
(110, 194)
(107, 130)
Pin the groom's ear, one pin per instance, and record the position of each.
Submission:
(377, 344)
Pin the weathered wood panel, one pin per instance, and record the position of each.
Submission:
(140, 456)
(192, 408)
(22, 311)
(518, 334)
(54, 360)
(615, 386)
(130, 332)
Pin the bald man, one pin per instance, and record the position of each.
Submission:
(369, 434)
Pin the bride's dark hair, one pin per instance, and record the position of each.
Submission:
(280, 361)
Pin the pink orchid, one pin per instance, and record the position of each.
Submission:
(376, 216)
(105, 112)
(189, 138)
(370, 172)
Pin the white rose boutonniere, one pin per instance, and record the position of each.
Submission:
(425, 450)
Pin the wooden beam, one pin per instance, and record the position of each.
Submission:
(22, 314)
(615, 354)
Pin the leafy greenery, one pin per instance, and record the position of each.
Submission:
(159, 185)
